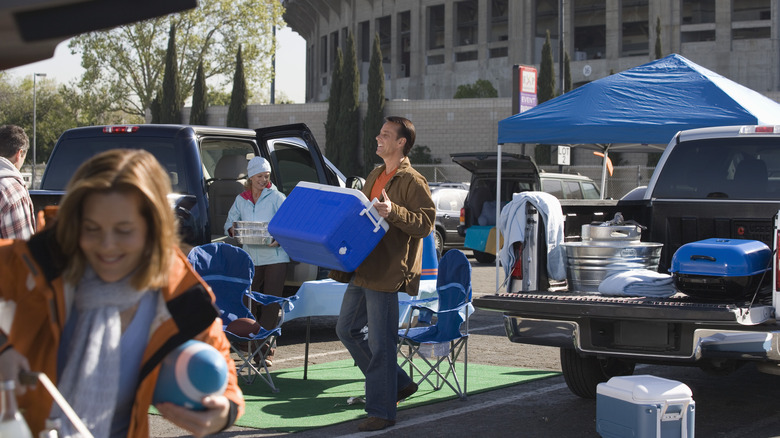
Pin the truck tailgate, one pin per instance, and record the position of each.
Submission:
(562, 305)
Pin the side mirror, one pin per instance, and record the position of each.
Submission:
(356, 182)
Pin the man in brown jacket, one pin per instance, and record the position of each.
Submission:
(371, 299)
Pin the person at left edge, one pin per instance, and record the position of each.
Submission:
(16, 208)
(97, 299)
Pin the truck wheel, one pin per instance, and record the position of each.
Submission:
(438, 241)
(483, 257)
(584, 373)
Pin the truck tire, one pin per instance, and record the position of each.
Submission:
(483, 257)
(584, 373)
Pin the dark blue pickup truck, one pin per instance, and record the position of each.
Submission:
(207, 167)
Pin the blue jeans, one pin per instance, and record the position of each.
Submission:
(375, 352)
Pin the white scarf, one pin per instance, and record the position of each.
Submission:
(90, 379)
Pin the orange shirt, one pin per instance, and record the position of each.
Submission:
(381, 182)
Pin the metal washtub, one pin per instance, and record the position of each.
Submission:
(607, 250)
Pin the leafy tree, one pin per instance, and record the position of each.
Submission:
(236, 115)
(546, 81)
(131, 58)
(658, 52)
(566, 73)
(375, 113)
(481, 88)
(351, 156)
(199, 101)
(332, 150)
(421, 154)
(52, 115)
(170, 108)
(218, 97)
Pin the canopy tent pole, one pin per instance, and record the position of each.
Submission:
(498, 211)
(604, 171)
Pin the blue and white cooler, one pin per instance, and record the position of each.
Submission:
(644, 406)
(328, 226)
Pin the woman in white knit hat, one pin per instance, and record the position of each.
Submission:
(259, 203)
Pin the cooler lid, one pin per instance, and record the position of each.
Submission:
(644, 388)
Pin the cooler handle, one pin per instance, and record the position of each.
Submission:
(703, 257)
(377, 222)
(682, 415)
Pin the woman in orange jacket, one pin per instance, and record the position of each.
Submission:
(97, 300)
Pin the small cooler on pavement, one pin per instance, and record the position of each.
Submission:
(644, 406)
(328, 226)
(718, 269)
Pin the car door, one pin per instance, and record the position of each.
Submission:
(294, 156)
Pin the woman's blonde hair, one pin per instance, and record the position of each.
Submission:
(124, 171)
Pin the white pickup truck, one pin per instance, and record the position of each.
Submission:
(698, 191)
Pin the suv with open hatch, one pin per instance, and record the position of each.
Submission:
(519, 173)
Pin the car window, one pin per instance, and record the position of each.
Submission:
(72, 152)
(572, 190)
(553, 187)
(590, 191)
(737, 168)
(293, 164)
(450, 200)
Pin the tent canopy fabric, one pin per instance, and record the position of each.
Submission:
(647, 104)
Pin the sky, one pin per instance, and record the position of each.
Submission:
(290, 66)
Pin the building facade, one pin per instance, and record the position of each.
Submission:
(430, 47)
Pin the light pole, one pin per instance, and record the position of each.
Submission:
(35, 110)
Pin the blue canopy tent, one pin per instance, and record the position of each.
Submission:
(640, 108)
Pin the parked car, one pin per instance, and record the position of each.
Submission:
(569, 186)
(448, 201)
(519, 173)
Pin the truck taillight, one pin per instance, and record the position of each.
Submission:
(517, 269)
(463, 216)
(777, 259)
(771, 129)
(119, 129)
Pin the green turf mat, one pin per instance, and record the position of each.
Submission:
(322, 399)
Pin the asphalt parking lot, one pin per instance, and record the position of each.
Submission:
(743, 404)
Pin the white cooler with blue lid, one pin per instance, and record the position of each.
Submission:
(644, 406)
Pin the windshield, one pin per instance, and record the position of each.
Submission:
(730, 168)
(72, 152)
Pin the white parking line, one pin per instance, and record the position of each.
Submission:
(430, 419)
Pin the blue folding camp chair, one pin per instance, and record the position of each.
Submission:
(229, 271)
(443, 341)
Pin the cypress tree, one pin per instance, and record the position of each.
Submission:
(375, 113)
(334, 100)
(238, 98)
(546, 81)
(198, 110)
(658, 52)
(349, 113)
(154, 108)
(170, 110)
(566, 73)
(546, 91)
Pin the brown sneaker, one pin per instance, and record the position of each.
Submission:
(407, 392)
(375, 423)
